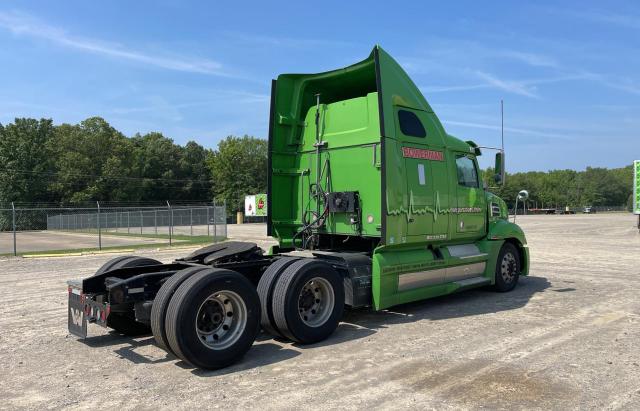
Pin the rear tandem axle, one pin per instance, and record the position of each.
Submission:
(208, 307)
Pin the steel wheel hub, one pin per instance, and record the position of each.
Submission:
(221, 319)
(508, 267)
(316, 302)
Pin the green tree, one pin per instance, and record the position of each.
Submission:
(91, 159)
(238, 168)
(195, 172)
(156, 160)
(25, 161)
(561, 188)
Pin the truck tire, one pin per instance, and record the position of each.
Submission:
(507, 268)
(125, 323)
(213, 318)
(265, 292)
(161, 303)
(308, 301)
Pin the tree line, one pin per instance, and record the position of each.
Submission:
(67, 164)
(568, 188)
(73, 164)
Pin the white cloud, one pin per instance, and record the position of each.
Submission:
(515, 87)
(521, 87)
(442, 52)
(529, 132)
(262, 40)
(157, 104)
(25, 25)
(532, 59)
(623, 20)
(444, 89)
(618, 83)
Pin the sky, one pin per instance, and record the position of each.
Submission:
(568, 72)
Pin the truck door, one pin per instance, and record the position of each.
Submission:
(470, 198)
(423, 154)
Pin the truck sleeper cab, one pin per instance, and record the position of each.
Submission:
(372, 203)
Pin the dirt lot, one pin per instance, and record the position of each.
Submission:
(33, 241)
(567, 337)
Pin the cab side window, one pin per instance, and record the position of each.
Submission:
(467, 173)
(410, 124)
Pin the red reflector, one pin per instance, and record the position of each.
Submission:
(103, 315)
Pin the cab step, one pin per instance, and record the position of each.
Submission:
(472, 282)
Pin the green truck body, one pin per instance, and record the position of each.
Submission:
(363, 175)
(421, 210)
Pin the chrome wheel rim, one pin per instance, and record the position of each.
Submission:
(508, 267)
(221, 319)
(315, 302)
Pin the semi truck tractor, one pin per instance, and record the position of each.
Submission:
(372, 202)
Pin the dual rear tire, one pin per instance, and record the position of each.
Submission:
(161, 304)
(210, 317)
(302, 299)
(207, 317)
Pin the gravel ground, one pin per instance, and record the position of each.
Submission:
(42, 241)
(565, 338)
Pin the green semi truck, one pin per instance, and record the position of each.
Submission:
(373, 205)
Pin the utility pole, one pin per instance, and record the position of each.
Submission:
(215, 226)
(99, 229)
(170, 220)
(13, 209)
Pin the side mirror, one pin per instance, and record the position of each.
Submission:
(499, 169)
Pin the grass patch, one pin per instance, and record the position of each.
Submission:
(175, 237)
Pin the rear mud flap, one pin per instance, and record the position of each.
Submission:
(83, 310)
(77, 322)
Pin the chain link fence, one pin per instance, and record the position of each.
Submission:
(532, 209)
(48, 229)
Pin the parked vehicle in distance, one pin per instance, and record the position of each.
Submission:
(373, 205)
(589, 210)
(541, 211)
(567, 210)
